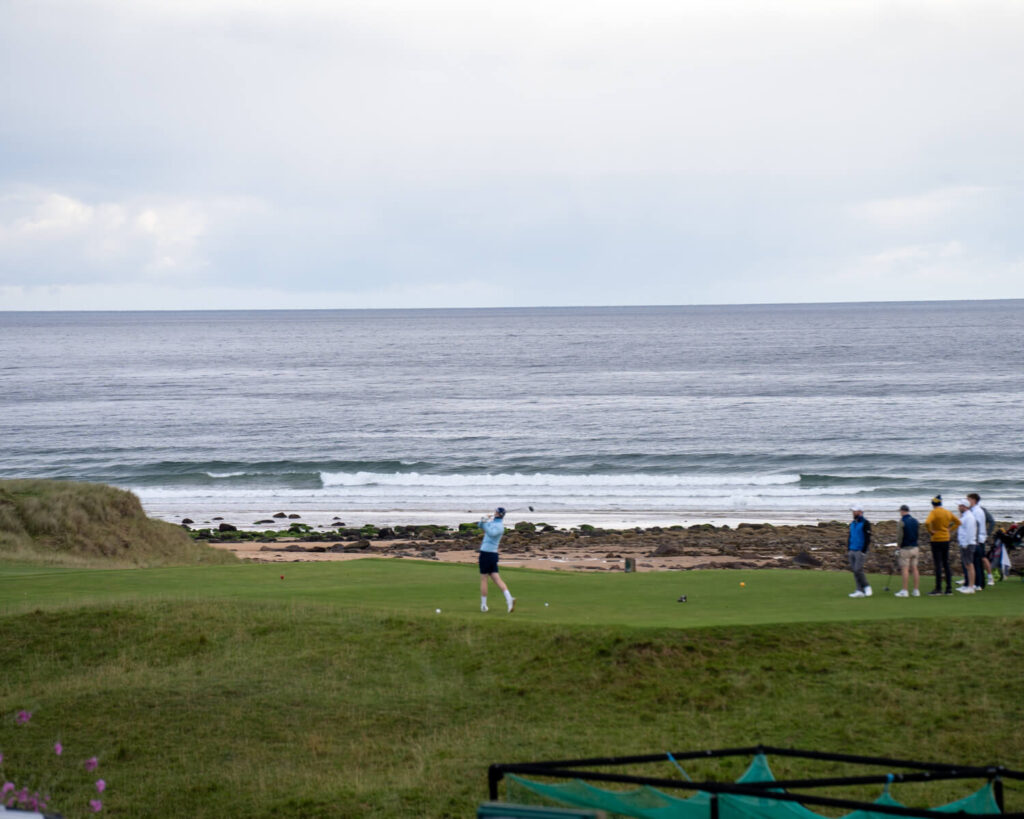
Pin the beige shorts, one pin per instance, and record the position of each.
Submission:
(908, 557)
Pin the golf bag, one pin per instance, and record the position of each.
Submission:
(1011, 537)
(1005, 541)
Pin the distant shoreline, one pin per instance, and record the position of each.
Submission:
(252, 519)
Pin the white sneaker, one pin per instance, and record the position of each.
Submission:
(966, 589)
(991, 580)
(512, 605)
(915, 593)
(483, 607)
(902, 593)
(960, 582)
(867, 591)
(857, 593)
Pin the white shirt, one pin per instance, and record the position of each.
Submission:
(967, 533)
(979, 515)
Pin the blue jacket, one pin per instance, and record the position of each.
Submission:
(908, 532)
(860, 535)
(493, 530)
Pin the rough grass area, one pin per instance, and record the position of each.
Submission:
(284, 701)
(62, 523)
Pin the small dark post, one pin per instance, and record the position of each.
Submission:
(714, 806)
(997, 788)
(494, 776)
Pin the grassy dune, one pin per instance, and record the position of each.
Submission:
(338, 691)
(62, 523)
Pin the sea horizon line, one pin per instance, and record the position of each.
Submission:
(521, 308)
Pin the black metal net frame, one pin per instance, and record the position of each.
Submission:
(915, 771)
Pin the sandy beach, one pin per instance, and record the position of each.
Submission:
(566, 559)
(699, 546)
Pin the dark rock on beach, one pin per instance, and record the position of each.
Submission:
(806, 561)
(813, 546)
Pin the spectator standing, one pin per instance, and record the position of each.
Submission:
(982, 566)
(967, 535)
(941, 523)
(857, 544)
(906, 542)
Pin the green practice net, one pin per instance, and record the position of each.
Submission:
(650, 803)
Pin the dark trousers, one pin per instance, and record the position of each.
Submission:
(940, 557)
(979, 567)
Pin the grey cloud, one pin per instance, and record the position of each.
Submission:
(659, 152)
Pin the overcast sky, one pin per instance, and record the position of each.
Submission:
(405, 153)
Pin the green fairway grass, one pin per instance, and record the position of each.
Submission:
(647, 599)
(338, 691)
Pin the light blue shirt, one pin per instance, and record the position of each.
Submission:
(493, 530)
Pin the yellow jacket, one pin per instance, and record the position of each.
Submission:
(941, 523)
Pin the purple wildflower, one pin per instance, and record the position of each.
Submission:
(23, 717)
(95, 805)
(58, 749)
(7, 788)
(91, 763)
(101, 785)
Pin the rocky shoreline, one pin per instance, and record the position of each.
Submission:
(746, 546)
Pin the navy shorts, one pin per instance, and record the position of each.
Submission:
(488, 562)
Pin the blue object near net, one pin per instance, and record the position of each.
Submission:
(756, 794)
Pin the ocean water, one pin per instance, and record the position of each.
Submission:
(625, 414)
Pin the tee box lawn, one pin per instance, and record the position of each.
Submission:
(339, 690)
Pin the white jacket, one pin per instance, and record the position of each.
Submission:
(979, 515)
(967, 532)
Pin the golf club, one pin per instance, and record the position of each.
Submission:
(517, 509)
(892, 564)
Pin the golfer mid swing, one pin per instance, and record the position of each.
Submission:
(493, 528)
